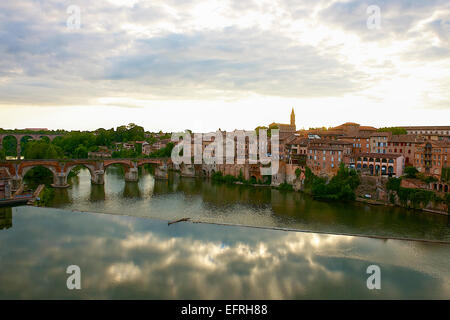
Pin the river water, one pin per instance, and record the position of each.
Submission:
(203, 200)
(124, 257)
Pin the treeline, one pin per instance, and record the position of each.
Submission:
(394, 130)
(77, 144)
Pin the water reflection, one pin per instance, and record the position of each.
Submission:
(130, 258)
(5, 218)
(203, 200)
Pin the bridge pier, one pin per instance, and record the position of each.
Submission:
(18, 149)
(60, 181)
(132, 175)
(98, 177)
(16, 183)
(161, 172)
(188, 170)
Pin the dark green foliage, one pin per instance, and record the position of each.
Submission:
(165, 152)
(392, 198)
(298, 172)
(38, 175)
(427, 179)
(445, 174)
(341, 186)
(10, 145)
(241, 177)
(285, 187)
(124, 153)
(42, 149)
(447, 201)
(2, 154)
(219, 177)
(411, 172)
(394, 184)
(394, 130)
(46, 197)
(75, 171)
(416, 196)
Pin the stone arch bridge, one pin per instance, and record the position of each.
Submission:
(19, 136)
(61, 169)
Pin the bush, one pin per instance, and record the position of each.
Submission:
(445, 174)
(47, 196)
(411, 172)
(285, 187)
(416, 196)
(341, 186)
(394, 184)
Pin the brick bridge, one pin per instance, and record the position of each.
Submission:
(19, 136)
(61, 169)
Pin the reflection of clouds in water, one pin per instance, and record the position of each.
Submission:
(122, 272)
(124, 257)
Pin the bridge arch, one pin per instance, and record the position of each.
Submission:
(90, 168)
(2, 142)
(27, 169)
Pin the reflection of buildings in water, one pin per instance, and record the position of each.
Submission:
(131, 190)
(5, 218)
(97, 193)
(62, 196)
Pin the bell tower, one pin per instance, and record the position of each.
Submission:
(293, 118)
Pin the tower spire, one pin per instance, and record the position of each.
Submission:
(292, 117)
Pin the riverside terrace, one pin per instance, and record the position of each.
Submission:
(61, 169)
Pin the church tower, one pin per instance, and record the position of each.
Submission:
(293, 118)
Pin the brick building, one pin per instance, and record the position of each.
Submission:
(325, 156)
(432, 156)
(378, 142)
(405, 144)
(380, 164)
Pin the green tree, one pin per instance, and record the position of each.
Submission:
(411, 172)
(394, 130)
(42, 150)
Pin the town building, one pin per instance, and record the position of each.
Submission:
(405, 144)
(296, 150)
(324, 156)
(380, 164)
(432, 156)
(437, 131)
(378, 142)
(360, 142)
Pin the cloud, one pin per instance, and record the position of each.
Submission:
(219, 50)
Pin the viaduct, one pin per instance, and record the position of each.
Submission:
(19, 136)
(61, 169)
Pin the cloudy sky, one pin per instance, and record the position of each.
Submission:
(171, 65)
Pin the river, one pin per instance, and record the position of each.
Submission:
(203, 200)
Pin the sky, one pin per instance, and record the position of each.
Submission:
(203, 65)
